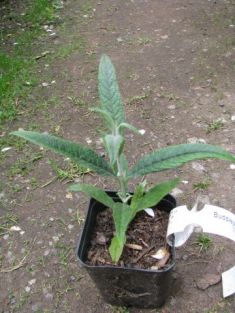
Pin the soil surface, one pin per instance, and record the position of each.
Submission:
(146, 236)
(175, 65)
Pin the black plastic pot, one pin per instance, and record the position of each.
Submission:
(124, 286)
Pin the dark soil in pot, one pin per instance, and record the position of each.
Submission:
(145, 236)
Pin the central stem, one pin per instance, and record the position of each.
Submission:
(122, 182)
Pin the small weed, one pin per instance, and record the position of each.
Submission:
(214, 125)
(119, 309)
(24, 166)
(201, 185)
(65, 51)
(78, 218)
(70, 172)
(137, 99)
(23, 300)
(63, 253)
(12, 141)
(204, 242)
(6, 221)
(34, 183)
(143, 40)
(169, 96)
(77, 101)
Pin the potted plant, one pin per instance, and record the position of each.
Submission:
(119, 281)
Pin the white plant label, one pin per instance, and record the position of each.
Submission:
(211, 219)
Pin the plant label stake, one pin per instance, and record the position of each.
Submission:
(211, 219)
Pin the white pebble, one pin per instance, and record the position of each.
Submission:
(32, 281)
(176, 191)
(232, 166)
(198, 167)
(46, 253)
(15, 228)
(27, 289)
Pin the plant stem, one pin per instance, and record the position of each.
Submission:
(122, 182)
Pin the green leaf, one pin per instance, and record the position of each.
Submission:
(129, 126)
(98, 194)
(175, 156)
(138, 195)
(114, 145)
(78, 153)
(106, 115)
(109, 91)
(123, 163)
(116, 248)
(154, 195)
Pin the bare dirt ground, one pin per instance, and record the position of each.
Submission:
(175, 64)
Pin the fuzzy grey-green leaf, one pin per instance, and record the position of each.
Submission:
(175, 156)
(94, 192)
(109, 91)
(114, 145)
(76, 152)
(155, 194)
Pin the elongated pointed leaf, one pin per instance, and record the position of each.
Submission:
(106, 115)
(116, 248)
(154, 195)
(109, 91)
(175, 156)
(129, 126)
(76, 152)
(114, 145)
(94, 192)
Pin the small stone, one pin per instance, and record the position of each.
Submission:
(176, 192)
(198, 167)
(27, 289)
(70, 226)
(232, 166)
(35, 307)
(196, 140)
(32, 281)
(15, 228)
(88, 140)
(55, 238)
(45, 84)
(142, 131)
(6, 149)
(101, 239)
(46, 253)
(5, 237)
(171, 107)
(69, 196)
(185, 257)
(119, 39)
(233, 118)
